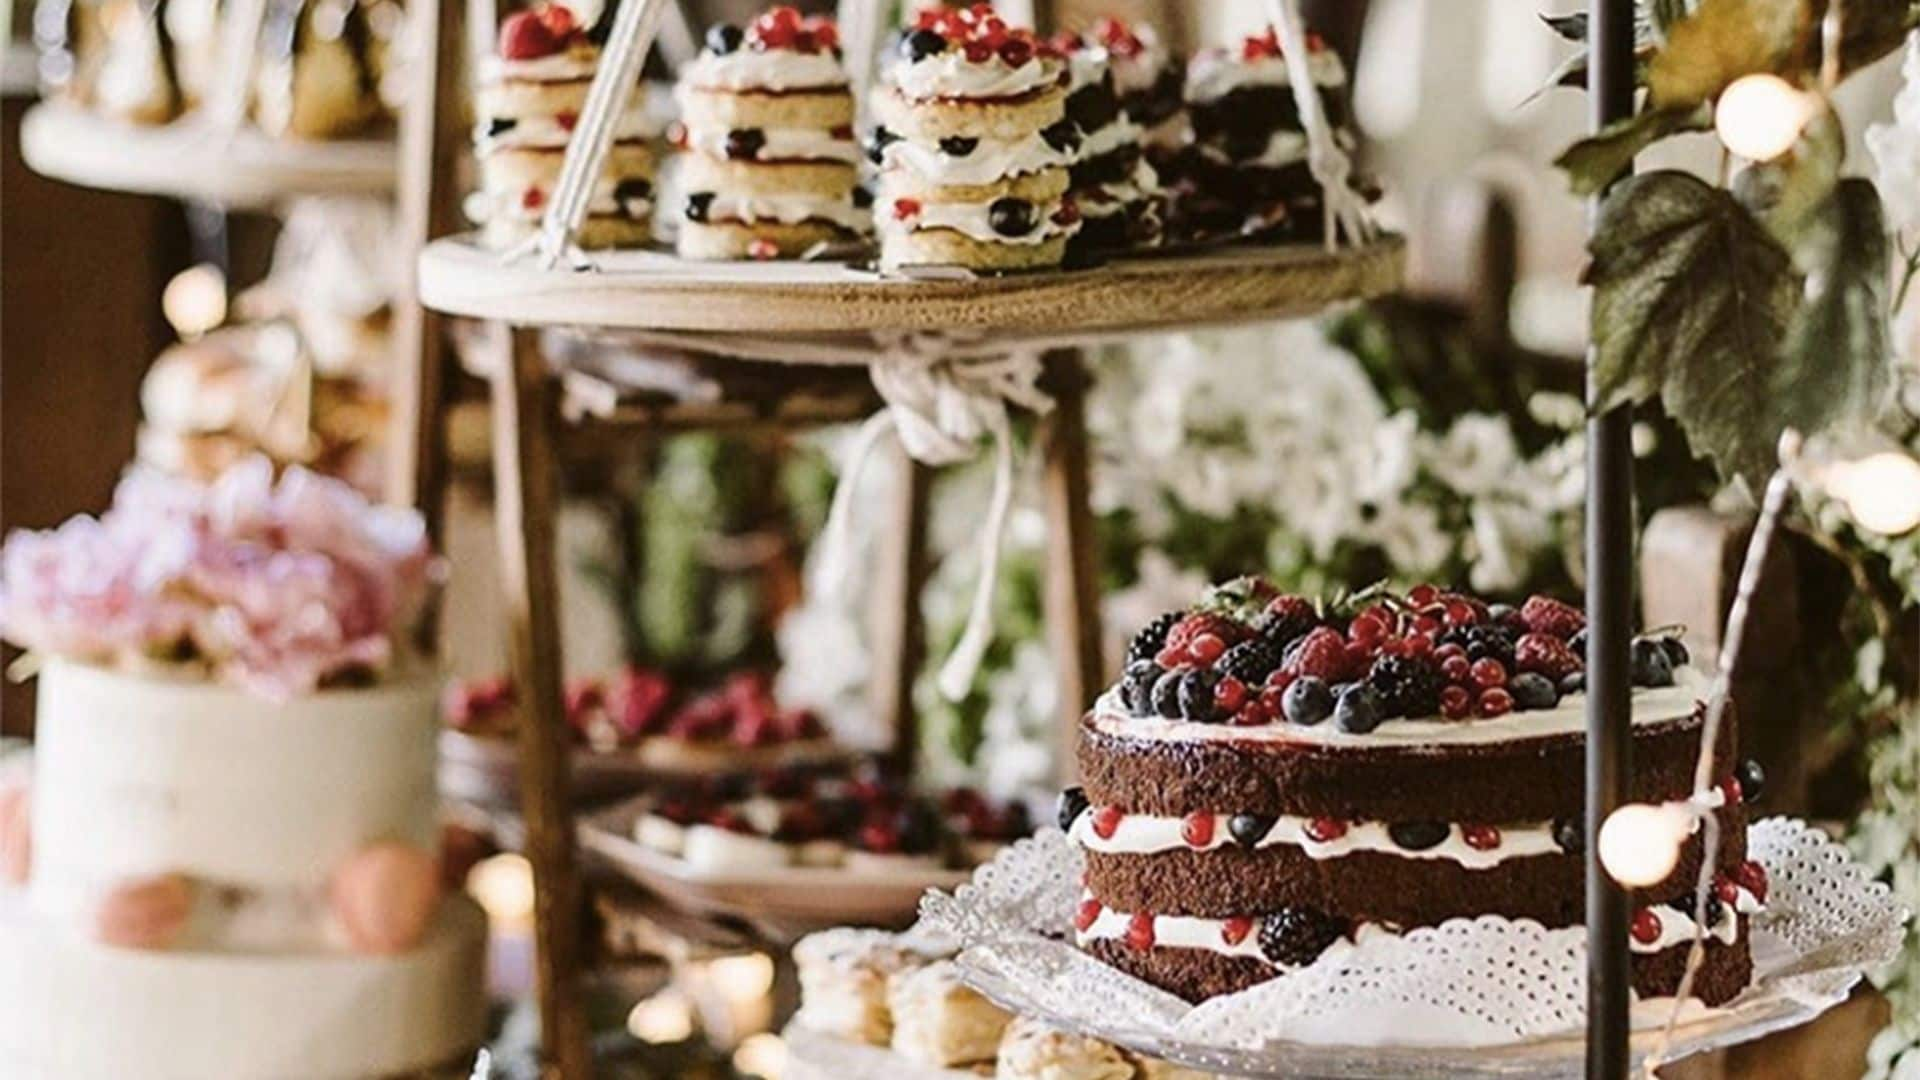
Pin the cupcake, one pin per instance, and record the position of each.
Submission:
(1116, 190)
(771, 168)
(1249, 159)
(529, 99)
(973, 147)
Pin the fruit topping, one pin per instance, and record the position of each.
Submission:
(1235, 930)
(724, 38)
(1136, 686)
(959, 145)
(1063, 136)
(1456, 703)
(1751, 778)
(1406, 685)
(1085, 914)
(1571, 835)
(1531, 691)
(1752, 877)
(527, 35)
(1166, 696)
(745, 144)
(1480, 837)
(1494, 701)
(1197, 829)
(1196, 696)
(1321, 653)
(699, 205)
(1152, 637)
(1645, 927)
(1072, 803)
(1546, 655)
(1356, 710)
(1140, 931)
(1651, 666)
(1106, 821)
(1248, 830)
(1323, 830)
(1545, 615)
(1419, 835)
(1296, 936)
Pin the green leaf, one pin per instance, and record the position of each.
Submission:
(1691, 299)
(1835, 367)
(1785, 192)
(1868, 31)
(1594, 162)
(1721, 41)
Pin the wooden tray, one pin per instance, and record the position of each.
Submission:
(652, 290)
(784, 901)
(187, 161)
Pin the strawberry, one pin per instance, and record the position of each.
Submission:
(1752, 877)
(1321, 654)
(1545, 615)
(1202, 624)
(558, 19)
(525, 36)
(1235, 930)
(1546, 654)
(1197, 829)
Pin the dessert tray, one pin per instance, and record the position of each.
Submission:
(782, 900)
(652, 290)
(188, 160)
(484, 769)
(1425, 1003)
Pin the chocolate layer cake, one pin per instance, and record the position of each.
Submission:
(1273, 781)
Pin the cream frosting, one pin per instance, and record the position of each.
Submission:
(1283, 148)
(782, 144)
(569, 66)
(1141, 70)
(1215, 74)
(1122, 132)
(949, 74)
(547, 132)
(971, 219)
(1650, 706)
(748, 68)
(1107, 200)
(789, 209)
(991, 160)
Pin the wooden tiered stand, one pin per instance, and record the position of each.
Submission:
(827, 312)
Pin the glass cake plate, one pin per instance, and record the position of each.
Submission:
(1487, 997)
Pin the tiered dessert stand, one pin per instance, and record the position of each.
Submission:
(814, 313)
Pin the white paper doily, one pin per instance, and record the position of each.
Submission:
(1483, 997)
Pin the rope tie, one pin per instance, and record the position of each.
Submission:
(1345, 211)
(940, 408)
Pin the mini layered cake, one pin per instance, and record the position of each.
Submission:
(973, 146)
(1272, 782)
(529, 100)
(1150, 81)
(771, 165)
(1248, 172)
(1116, 190)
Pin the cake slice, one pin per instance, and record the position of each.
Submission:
(973, 146)
(1116, 189)
(939, 1020)
(529, 100)
(771, 163)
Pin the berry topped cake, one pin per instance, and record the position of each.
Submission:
(1151, 83)
(529, 99)
(771, 167)
(1274, 780)
(1116, 190)
(973, 146)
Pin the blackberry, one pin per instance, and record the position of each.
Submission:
(1073, 803)
(1152, 638)
(1136, 686)
(1406, 686)
(1283, 628)
(1251, 661)
(1296, 936)
(1483, 641)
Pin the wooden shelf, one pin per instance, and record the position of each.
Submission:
(656, 291)
(188, 161)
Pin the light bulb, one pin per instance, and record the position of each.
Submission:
(503, 885)
(1880, 491)
(1640, 842)
(661, 1019)
(195, 301)
(1760, 117)
(763, 1055)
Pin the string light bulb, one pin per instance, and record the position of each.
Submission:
(1880, 491)
(1760, 117)
(1640, 842)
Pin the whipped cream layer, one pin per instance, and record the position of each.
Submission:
(516, 206)
(1650, 706)
(950, 75)
(549, 132)
(1214, 75)
(971, 219)
(1107, 200)
(571, 66)
(1120, 133)
(780, 144)
(774, 70)
(1283, 148)
(788, 210)
(990, 161)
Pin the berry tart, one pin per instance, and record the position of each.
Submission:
(1246, 172)
(1116, 190)
(529, 99)
(771, 163)
(973, 147)
(1273, 780)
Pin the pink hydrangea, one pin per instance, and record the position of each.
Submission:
(278, 586)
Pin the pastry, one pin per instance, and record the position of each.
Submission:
(1032, 1050)
(771, 164)
(939, 1020)
(843, 981)
(1114, 186)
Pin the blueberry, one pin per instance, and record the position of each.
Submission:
(1063, 136)
(1249, 829)
(724, 38)
(1571, 835)
(500, 125)
(1166, 696)
(1196, 696)
(699, 204)
(862, 197)
(1676, 651)
(1296, 936)
(1307, 701)
(1358, 710)
(1137, 686)
(1011, 217)
(1578, 643)
(1650, 664)
(1752, 780)
(958, 145)
(632, 190)
(1533, 691)
(1073, 803)
(1419, 835)
(745, 144)
(878, 143)
(1574, 683)
(1715, 908)
(921, 44)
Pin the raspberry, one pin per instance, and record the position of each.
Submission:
(1106, 821)
(1646, 926)
(533, 198)
(1545, 615)
(1325, 830)
(1235, 930)
(825, 33)
(558, 19)
(1321, 654)
(1547, 655)
(1480, 837)
(1752, 877)
(1140, 931)
(904, 209)
(1495, 702)
(1726, 889)
(1487, 674)
(1190, 627)
(1084, 915)
(1197, 830)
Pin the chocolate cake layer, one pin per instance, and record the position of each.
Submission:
(1198, 974)
(1526, 779)
(1373, 886)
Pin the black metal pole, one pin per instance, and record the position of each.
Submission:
(1610, 543)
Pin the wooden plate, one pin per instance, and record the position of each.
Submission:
(188, 161)
(652, 290)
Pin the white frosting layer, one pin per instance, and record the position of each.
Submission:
(1085, 67)
(1106, 200)
(992, 160)
(487, 205)
(970, 219)
(789, 210)
(569, 66)
(138, 776)
(1132, 74)
(1677, 928)
(949, 74)
(1283, 148)
(748, 68)
(782, 144)
(1215, 74)
(1650, 706)
(73, 1010)
(547, 132)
